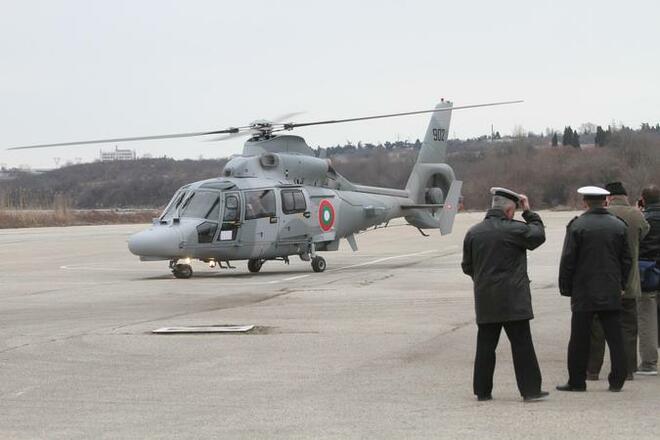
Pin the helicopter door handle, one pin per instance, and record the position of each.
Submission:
(307, 214)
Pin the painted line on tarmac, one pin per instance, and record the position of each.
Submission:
(297, 277)
(278, 281)
(380, 260)
(102, 269)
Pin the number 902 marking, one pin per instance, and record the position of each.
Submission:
(439, 134)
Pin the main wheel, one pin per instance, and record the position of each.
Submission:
(182, 271)
(318, 264)
(254, 265)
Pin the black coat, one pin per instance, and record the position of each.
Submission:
(495, 256)
(649, 248)
(595, 262)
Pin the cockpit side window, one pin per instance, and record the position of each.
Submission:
(214, 212)
(231, 218)
(232, 209)
(259, 204)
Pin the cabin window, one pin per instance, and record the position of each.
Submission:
(293, 201)
(259, 204)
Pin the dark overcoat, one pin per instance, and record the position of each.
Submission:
(649, 248)
(495, 256)
(595, 261)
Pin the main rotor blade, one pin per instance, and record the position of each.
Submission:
(293, 125)
(229, 136)
(136, 138)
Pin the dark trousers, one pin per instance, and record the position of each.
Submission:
(528, 374)
(579, 345)
(629, 328)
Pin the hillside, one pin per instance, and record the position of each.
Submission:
(144, 183)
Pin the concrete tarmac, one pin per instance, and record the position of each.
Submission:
(381, 345)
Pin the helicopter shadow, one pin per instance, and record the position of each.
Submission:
(231, 276)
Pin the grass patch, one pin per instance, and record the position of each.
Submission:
(73, 217)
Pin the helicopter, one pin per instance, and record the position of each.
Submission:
(278, 199)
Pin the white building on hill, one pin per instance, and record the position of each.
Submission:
(118, 154)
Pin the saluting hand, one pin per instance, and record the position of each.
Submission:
(524, 202)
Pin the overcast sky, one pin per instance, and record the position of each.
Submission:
(72, 70)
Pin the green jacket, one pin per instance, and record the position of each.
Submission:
(638, 227)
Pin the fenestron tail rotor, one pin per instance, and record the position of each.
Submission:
(257, 129)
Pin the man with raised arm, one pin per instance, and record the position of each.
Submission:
(495, 256)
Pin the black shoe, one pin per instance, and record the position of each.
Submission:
(535, 397)
(484, 398)
(615, 389)
(569, 387)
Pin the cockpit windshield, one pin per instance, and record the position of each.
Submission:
(174, 205)
(198, 204)
(202, 204)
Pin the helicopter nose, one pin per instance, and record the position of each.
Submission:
(155, 242)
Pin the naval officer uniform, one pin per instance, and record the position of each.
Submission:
(495, 256)
(593, 272)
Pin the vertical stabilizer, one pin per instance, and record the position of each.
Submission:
(451, 207)
(427, 172)
(434, 147)
(432, 181)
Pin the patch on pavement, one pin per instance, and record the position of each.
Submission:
(205, 329)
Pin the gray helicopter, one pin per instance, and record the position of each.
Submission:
(278, 199)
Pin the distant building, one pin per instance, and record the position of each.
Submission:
(118, 154)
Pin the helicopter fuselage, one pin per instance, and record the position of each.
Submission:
(232, 218)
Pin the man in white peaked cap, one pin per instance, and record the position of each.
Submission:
(495, 257)
(593, 272)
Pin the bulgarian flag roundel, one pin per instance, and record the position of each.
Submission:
(326, 215)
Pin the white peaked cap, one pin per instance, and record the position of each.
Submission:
(505, 192)
(594, 191)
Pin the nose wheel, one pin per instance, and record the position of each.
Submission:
(182, 271)
(318, 264)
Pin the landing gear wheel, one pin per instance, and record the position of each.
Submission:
(318, 264)
(182, 271)
(254, 265)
